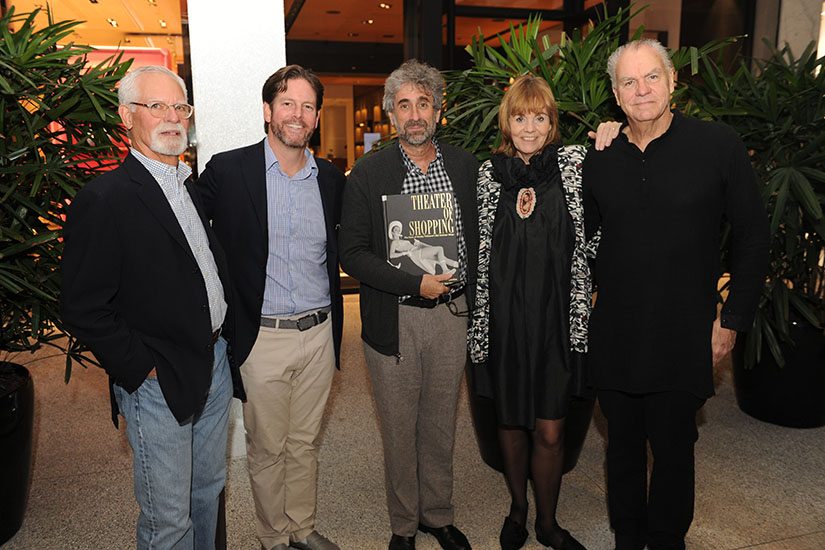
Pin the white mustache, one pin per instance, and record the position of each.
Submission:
(170, 127)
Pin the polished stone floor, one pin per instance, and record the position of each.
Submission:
(759, 486)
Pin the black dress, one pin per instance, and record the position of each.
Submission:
(529, 362)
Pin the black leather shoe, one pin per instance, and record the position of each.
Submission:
(567, 540)
(397, 542)
(512, 536)
(449, 537)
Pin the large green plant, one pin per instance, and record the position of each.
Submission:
(575, 69)
(58, 130)
(779, 111)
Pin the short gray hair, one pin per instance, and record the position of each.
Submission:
(655, 45)
(417, 73)
(127, 91)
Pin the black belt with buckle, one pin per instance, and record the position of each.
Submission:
(430, 303)
(304, 323)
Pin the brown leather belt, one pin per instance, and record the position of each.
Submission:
(215, 336)
(304, 323)
(418, 301)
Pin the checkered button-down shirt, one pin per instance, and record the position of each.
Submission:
(171, 179)
(436, 180)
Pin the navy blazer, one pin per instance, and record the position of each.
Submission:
(232, 189)
(132, 290)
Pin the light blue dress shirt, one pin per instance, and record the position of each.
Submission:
(296, 271)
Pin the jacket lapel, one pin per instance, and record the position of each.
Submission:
(396, 172)
(254, 177)
(327, 190)
(150, 193)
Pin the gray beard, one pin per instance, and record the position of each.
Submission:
(167, 146)
(420, 139)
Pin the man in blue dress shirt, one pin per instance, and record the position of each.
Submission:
(276, 208)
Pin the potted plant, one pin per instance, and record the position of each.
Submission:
(58, 130)
(779, 111)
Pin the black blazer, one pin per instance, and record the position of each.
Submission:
(132, 290)
(232, 189)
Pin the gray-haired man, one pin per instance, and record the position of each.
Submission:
(415, 346)
(143, 286)
(660, 194)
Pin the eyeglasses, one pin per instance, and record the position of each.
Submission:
(158, 109)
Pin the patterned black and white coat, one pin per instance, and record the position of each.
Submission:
(570, 160)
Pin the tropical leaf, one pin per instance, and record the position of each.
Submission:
(58, 132)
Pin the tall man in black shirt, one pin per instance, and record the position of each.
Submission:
(660, 194)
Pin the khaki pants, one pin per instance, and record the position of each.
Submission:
(416, 399)
(287, 378)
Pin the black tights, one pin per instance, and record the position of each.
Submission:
(545, 462)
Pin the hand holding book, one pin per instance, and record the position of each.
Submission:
(433, 286)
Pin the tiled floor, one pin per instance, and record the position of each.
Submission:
(759, 486)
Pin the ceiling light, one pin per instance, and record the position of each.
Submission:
(112, 22)
(162, 23)
(384, 6)
(367, 21)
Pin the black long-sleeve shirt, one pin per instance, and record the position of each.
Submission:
(661, 213)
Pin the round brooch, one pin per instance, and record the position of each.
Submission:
(525, 202)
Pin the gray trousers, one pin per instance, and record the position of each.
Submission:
(416, 398)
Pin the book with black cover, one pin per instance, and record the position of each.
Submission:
(420, 232)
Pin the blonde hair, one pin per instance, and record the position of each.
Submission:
(527, 94)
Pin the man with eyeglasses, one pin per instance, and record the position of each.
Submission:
(144, 286)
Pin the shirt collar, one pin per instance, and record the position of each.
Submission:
(160, 169)
(410, 164)
(271, 162)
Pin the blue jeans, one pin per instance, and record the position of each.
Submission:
(179, 470)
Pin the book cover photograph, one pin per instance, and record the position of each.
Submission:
(420, 231)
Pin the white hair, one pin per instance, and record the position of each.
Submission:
(655, 45)
(127, 91)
